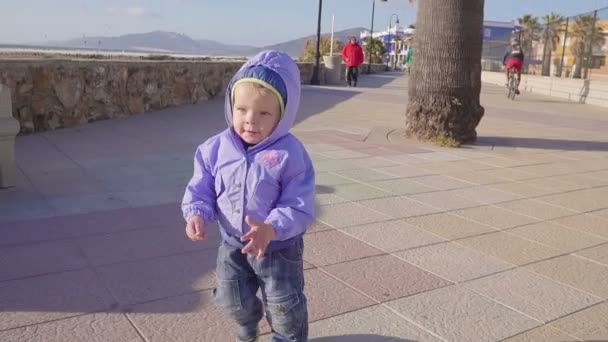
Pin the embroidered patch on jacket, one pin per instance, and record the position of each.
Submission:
(271, 158)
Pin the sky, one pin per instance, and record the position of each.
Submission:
(244, 22)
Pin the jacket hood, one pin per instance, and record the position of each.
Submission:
(288, 71)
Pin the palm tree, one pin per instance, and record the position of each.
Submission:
(586, 35)
(379, 49)
(445, 83)
(530, 32)
(550, 37)
(310, 48)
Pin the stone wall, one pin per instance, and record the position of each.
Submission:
(54, 93)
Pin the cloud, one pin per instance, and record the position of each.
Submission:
(135, 12)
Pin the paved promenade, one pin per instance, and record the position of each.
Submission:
(503, 240)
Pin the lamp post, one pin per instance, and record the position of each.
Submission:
(315, 72)
(390, 37)
(371, 38)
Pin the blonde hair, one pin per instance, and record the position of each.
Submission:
(261, 86)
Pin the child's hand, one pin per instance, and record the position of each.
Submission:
(195, 229)
(259, 237)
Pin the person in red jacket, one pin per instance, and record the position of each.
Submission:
(352, 53)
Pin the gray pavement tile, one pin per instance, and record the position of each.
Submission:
(445, 200)
(82, 204)
(537, 209)
(521, 189)
(601, 213)
(546, 333)
(51, 297)
(357, 192)
(330, 179)
(577, 272)
(385, 277)
(97, 327)
(393, 236)
(344, 154)
(561, 238)
(141, 244)
(580, 201)
(510, 248)
(477, 177)
(495, 217)
(485, 194)
(512, 174)
(372, 324)
(532, 294)
(458, 314)
(441, 182)
(150, 279)
(551, 185)
(449, 226)
(453, 262)
(348, 214)
(398, 207)
(191, 317)
(588, 325)
(364, 175)
(598, 254)
(35, 259)
(401, 186)
(25, 209)
(404, 171)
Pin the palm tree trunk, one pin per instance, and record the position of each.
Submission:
(546, 59)
(445, 83)
(579, 67)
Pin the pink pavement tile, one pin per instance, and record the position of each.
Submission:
(97, 327)
(356, 145)
(345, 135)
(331, 247)
(328, 297)
(51, 297)
(35, 259)
(64, 227)
(318, 227)
(191, 317)
(405, 148)
(380, 151)
(142, 244)
(70, 182)
(150, 279)
(386, 277)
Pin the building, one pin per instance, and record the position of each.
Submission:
(396, 39)
(564, 57)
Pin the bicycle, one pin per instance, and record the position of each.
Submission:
(512, 84)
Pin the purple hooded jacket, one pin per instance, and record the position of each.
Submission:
(273, 181)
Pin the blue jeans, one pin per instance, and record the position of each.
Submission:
(280, 276)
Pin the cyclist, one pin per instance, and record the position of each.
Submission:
(514, 58)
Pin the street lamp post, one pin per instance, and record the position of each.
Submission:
(315, 72)
(390, 42)
(371, 38)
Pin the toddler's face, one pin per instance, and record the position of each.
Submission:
(255, 112)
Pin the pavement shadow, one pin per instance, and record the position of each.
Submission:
(360, 338)
(542, 143)
(135, 260)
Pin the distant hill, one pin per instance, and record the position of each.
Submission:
(170, 42)
(158, 41)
